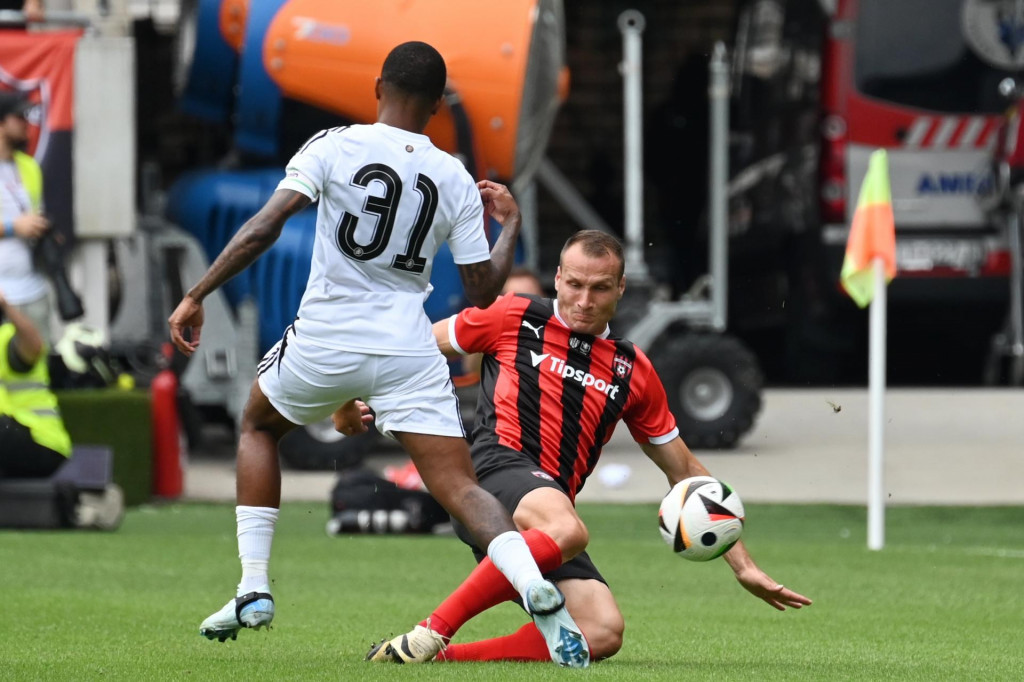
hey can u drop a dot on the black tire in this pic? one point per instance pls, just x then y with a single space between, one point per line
318 447
713 384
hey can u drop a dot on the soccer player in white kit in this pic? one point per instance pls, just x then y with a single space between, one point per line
387 200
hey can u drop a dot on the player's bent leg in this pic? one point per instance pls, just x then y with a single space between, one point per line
259 470
566 643
446 469
594 609
553 635
550 511
592 606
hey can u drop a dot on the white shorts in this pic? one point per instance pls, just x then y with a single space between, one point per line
306 383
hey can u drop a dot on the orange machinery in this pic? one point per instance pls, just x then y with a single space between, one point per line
505 66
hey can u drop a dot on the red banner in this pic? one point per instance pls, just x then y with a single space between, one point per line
41 65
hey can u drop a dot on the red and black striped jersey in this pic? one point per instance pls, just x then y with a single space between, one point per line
555 395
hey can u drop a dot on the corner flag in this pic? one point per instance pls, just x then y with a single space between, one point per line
872 234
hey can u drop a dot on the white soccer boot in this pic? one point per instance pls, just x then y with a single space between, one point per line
253 610
421 645
566 643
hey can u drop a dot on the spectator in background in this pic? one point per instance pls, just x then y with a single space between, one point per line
523 280
33 440
34 443
21 199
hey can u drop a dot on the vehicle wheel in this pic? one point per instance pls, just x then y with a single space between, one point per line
713 384
318 447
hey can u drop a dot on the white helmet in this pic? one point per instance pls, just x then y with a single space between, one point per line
81 349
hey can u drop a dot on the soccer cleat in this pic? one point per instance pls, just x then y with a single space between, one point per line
566 643
421 645
253 610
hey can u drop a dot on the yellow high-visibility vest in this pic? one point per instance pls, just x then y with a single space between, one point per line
28 399
31 176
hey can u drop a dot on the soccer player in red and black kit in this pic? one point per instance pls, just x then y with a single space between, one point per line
554 383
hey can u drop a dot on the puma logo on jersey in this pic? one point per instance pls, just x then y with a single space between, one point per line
535 330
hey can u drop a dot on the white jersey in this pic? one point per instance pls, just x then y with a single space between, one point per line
388 200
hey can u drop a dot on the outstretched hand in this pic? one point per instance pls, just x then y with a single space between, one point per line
498 201
188 315
778 596
352 418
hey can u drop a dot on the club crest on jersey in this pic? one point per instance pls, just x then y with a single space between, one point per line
543 474
623 367
579 345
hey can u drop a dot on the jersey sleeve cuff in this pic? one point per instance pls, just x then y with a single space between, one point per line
478 256
451 336
299 186
661 440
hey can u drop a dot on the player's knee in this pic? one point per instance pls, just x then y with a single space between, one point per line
604 637
568 532
571 536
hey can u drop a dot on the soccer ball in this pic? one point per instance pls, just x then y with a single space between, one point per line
701 518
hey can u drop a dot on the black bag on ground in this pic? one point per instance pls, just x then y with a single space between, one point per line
363 502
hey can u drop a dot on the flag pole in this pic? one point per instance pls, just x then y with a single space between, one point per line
869 264
876 409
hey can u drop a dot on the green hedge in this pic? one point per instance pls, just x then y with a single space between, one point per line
121 420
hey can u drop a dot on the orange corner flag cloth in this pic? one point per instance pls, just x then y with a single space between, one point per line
872 235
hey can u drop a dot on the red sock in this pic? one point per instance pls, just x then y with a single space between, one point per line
486 586
525 644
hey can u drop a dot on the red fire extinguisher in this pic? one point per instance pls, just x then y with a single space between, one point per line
168 477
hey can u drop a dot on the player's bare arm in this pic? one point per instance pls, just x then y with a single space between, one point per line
27 342
252 239
443 338
483 281
677 462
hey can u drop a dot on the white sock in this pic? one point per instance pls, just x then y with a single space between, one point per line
511 555
255 535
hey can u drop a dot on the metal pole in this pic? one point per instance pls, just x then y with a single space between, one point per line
876 409
718 177
569 198
1016 278
530 231
631 25
1016 295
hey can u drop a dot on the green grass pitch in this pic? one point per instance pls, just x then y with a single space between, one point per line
943 601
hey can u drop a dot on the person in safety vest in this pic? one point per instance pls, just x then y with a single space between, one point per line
22 222
33 440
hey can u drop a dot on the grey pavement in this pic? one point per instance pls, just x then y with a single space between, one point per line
942 446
